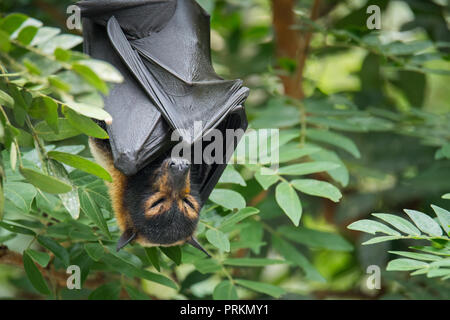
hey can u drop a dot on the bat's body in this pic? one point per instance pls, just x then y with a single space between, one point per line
157 206
162 50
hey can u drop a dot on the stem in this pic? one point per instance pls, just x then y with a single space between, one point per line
15 141
39 146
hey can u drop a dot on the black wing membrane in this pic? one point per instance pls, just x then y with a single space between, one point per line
162 49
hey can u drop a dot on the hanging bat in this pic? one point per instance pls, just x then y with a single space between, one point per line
162 49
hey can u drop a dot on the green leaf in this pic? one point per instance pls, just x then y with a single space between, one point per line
317 188
104 70
81 163
122 266
13 156
56 248
380 239
432 250
405 265
218 239
398 222
173 253
7 237
32 224
405 48
252 262
65 130
44 182
88 110
288 200
308 168
70 200
334 139
5 45
40 257
6 99
12 22
27 34
135 294
94 250
91 209
290 253
47 109
225 290
440 263
16 229
205 266
34 275
339 174
21 194
443 217
266 178
44 34
62 55
424 222
233 218
262 287
230 175
2 200
293 151
152 254
417 256
316 239
58 83
444 272
64 41
372 227
446 196
108 291
228 199
90 76
84 124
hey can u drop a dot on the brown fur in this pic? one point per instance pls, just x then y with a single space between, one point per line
116 188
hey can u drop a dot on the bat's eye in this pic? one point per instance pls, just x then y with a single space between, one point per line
157 202
190 204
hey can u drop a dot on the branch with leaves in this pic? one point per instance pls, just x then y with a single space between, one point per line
432 260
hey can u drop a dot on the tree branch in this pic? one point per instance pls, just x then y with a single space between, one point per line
292 43
12 258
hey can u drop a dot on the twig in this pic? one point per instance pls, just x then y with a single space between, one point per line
12 258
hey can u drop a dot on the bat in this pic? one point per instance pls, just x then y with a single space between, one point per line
162 49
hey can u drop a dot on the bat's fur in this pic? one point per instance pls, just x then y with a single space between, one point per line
149 204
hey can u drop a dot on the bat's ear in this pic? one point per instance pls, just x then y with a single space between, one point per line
125 239
193 242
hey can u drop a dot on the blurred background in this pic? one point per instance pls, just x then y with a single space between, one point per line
315 64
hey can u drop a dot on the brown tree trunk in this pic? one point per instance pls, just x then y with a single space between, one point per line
292 43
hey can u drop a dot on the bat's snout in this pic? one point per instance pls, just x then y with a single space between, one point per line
178 166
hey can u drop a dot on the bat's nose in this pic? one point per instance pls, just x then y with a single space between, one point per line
179 165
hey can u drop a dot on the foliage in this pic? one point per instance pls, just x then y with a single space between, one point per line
432 260
371 135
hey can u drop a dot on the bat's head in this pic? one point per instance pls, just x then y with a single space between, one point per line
163 204
172 190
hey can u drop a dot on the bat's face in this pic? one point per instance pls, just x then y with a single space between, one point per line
172 190
162 203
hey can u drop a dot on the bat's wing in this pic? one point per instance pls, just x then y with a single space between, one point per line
163 50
